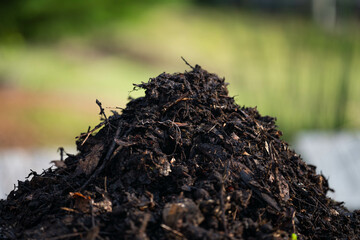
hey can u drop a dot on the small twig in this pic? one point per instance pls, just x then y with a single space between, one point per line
89 132
115 108
166 227
293 220
61 150
107 157
211 128
69 209
168 106
88 135
105 180
92 213
102 110
187 63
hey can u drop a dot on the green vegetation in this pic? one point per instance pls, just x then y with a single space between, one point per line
55 126
285 65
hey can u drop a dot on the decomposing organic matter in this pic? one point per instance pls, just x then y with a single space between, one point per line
182 162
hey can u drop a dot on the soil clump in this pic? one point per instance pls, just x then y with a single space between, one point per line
182 162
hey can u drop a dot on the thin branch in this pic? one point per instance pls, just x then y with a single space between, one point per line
102 110
187 63
166 227
89 132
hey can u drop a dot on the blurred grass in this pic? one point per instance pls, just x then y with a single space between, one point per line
72 69
283 64
51 127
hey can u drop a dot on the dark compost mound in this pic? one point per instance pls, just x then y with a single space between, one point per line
183 162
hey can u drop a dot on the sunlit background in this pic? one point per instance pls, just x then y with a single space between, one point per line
297 60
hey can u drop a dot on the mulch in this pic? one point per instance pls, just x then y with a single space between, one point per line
182 162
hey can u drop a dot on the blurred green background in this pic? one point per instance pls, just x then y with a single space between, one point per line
297 60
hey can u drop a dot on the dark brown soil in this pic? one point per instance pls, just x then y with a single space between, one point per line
183 162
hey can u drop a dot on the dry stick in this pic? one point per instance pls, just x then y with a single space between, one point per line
168 106
89 132
107 157
166 227
187 63
105 188
293 221
102 110
61 150
92 213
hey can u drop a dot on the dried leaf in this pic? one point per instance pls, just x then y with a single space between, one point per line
91 160
59 163
283 187
271 201
82 202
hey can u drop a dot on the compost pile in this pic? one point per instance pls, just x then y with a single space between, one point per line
182 162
